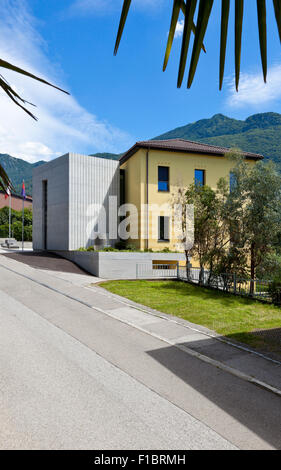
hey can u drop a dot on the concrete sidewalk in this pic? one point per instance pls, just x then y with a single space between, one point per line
192 339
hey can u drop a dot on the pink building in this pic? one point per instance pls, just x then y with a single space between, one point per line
16 202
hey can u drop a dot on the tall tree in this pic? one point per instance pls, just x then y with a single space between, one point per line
253 210
208 230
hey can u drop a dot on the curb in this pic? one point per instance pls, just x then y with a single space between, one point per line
184 323
185 349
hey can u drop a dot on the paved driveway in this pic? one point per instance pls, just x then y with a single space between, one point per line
73 376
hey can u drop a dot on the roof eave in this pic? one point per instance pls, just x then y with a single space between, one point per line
139 145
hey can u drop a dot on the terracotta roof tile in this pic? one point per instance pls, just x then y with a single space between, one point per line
181 145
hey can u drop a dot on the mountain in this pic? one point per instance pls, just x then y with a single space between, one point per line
260 133
19 170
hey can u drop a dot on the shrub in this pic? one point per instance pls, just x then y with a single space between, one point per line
166 250
91 248
274 289
15 216
131 247
4 231
121 245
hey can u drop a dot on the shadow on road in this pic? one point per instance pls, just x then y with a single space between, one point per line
47 261
255 408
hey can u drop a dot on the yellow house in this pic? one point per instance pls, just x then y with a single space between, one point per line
151 171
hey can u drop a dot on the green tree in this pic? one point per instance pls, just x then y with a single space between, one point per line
16 218
253 210
208 230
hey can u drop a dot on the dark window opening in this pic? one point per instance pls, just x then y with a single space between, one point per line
122 187
163 178
199 177
163 229
45 213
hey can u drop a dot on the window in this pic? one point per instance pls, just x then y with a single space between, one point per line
232 181
199 177
163 229
163 178
45 213
122 187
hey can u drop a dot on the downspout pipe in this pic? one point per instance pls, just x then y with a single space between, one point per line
147 199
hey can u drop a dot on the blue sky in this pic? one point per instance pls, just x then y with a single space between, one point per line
118 100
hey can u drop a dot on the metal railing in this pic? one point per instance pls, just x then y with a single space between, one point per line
148 271
226 282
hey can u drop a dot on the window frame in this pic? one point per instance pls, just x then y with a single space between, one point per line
204 176
163 240
161 181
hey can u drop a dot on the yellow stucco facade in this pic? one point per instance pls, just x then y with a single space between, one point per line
141 186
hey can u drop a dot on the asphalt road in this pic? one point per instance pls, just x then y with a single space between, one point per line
73 378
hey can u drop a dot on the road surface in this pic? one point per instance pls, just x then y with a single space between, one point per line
74 378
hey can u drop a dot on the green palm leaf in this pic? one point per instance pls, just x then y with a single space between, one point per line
12 94
277 10
5 182
205 8
189 15
124 14
239 10
183 9
224 28
261 6
14 68
174 20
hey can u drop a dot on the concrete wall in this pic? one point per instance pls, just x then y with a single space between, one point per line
75 183
92 181
113 265
56 173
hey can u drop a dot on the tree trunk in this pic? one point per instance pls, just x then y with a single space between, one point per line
253 268
201 275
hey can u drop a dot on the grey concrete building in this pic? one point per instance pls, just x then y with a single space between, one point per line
68 193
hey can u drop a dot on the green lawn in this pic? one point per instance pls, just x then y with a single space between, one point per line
234 317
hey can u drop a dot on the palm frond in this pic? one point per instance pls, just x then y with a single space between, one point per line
174 20
239 10
14 68
124 14
15 97
261 6
277 10
12 94
188 22
205 8
225 7
5 181
183 9
204 11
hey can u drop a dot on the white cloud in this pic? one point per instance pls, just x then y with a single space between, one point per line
253 91
179 28
64 125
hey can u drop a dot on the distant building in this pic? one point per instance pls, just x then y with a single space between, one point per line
67 191
16 202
